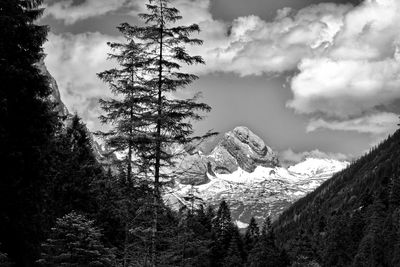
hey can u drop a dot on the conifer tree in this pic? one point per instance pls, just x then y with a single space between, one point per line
395 192
302 251
75 241
265 252
251 235
26 129
159 119
125 112
192 240
171 118
223 224
75 170
338 239
233 258
222 230
370 251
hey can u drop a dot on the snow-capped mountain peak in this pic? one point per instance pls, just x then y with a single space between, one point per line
244 171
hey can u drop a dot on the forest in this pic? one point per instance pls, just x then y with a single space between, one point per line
61 206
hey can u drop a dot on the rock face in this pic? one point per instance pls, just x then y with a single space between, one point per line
194 170
241 148
55 96
62 111
238 149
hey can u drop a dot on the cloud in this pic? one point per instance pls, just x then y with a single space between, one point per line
358 72
343 62
70 12
74 60
192 11
289 157
378 124
252 46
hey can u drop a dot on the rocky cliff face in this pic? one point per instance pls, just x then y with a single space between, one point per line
237 149
55 96
241 148
63 112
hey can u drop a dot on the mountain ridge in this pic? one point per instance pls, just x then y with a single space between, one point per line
249 177
355 214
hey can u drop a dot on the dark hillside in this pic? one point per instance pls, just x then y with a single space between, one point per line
353 219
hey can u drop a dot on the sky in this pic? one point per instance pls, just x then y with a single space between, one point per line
310 77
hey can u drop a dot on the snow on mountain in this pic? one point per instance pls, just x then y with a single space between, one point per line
248 178
313 166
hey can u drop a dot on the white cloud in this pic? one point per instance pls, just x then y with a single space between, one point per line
346 59
290 157
252 46
74 60
70 13
359 71
192 11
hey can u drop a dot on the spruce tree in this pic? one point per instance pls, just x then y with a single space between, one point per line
252 234
75 170
125 112
157 51
370 251
165 45
222 230
394 197
233 257
337 251
301 250
26 129
192 240
265 251
75 241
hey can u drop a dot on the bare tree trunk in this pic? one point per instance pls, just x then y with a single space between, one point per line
158 149
125 257
130 144
129 162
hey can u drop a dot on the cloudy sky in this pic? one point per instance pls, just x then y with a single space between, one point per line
308 76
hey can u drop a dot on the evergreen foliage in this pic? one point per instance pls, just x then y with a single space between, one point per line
148 119
351 219
252 234
265 252
26 130
75 170
75 241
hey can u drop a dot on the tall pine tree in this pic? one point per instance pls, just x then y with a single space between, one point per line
26 128
75 241
153 55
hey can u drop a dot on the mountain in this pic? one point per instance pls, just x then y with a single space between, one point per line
55 96
243 170
352 219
